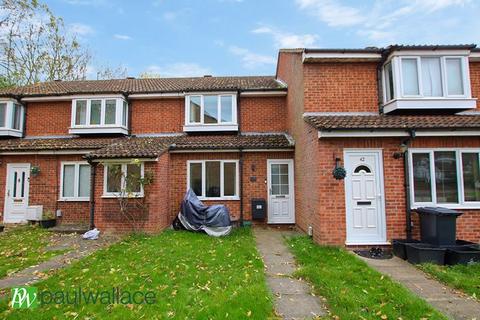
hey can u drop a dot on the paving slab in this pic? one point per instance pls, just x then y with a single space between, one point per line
79 248
448 301
293 298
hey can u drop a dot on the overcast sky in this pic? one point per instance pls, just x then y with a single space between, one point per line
242 37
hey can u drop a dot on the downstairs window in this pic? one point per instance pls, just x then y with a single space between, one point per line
213 179
445 177
75 181
123 180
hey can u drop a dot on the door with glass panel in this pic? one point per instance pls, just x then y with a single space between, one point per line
16 192
281 203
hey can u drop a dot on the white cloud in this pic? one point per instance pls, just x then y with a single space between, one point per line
287 39
122 37
180 69
80 29
251 60
392 21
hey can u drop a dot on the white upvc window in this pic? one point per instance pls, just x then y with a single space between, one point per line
213 112
122 180
427 82
75 181
12 115
445 177
213 179
97 115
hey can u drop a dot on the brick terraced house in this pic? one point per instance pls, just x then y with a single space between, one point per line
400 120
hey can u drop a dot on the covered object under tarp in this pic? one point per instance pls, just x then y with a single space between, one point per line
195 216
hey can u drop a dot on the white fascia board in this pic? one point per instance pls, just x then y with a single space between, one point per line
124 160
272 93
429 53
145 96
99 130
339 56
47 152
229 150
475 56
72 97
395 133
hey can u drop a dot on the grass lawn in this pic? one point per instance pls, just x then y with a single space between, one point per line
352 289
22 247
462 277
192 276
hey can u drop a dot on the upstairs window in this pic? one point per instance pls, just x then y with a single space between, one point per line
11 118
108 113
426 77
218 110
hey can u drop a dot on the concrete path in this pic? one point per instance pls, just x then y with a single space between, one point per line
78 247
293 298
448 301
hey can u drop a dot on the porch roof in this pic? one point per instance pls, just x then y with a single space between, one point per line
53 144
150 147
399 122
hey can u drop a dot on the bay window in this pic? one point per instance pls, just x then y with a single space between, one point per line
75 181
445 177
11 118
215 179
213 112
123 180
426 82
99 115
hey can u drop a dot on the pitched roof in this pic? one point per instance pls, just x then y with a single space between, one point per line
332 122
151 147
393 47
39 144
153 85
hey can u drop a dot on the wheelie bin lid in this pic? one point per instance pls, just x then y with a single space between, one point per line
438 211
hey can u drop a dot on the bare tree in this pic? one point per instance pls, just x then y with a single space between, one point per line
149 75
35 46
107 73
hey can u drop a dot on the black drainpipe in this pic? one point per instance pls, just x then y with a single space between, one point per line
240 162
407 185
93 167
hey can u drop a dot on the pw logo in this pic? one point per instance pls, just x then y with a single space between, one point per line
24 297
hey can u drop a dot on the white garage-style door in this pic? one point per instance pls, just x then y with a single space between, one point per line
364 193
281 200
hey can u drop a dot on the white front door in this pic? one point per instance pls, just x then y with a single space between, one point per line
364 194
281 200
16 192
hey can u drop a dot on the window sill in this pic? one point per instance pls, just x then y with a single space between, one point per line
98 129
11 132
73 200
112 196
219 199
448 206
209 127
440 103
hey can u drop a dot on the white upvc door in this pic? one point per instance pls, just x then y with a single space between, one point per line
364 195
281 196
16 192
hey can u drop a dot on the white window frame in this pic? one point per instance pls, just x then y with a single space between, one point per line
118 113
228 126
462 204
397 71
123 165
222 162
76 188
7 129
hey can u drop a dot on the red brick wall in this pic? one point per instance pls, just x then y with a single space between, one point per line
107 214
48 118
255 165
45 188
267 114
475 79
157 115
341 87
